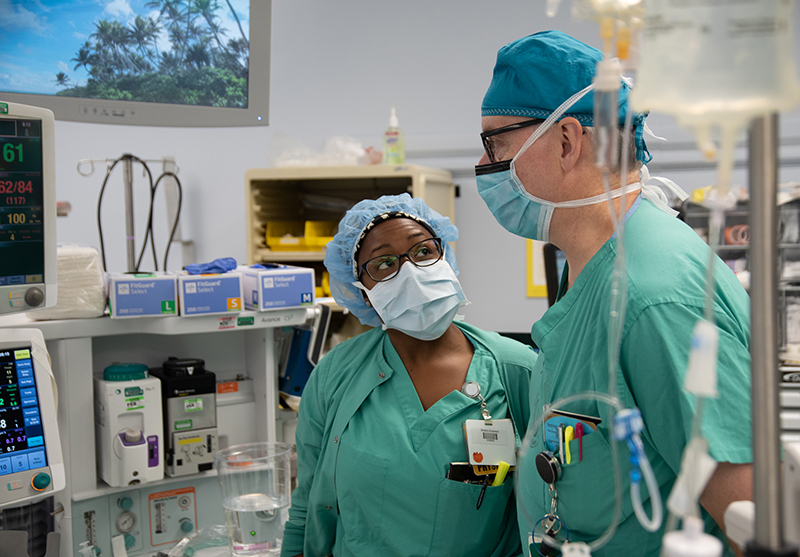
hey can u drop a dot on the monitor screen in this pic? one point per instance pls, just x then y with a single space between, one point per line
21 201
22 444
28 273
185 63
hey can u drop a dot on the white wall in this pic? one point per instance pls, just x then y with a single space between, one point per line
337 68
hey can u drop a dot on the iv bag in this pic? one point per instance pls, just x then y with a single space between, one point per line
710 61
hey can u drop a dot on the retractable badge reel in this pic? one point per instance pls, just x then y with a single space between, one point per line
549 468
473 390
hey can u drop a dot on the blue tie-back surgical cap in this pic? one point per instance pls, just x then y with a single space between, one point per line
534 75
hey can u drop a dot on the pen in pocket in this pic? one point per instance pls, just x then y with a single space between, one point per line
483 492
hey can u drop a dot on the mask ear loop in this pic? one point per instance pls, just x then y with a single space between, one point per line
555 115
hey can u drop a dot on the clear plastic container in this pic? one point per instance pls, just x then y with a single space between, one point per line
706 63
255 482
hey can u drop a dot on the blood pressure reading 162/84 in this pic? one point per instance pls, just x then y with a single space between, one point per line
21 201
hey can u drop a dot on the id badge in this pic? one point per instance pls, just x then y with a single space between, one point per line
490 442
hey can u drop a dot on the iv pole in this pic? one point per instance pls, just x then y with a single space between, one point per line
763 185
130 237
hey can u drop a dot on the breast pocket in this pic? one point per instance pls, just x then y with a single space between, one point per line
463 530
360 484
586 487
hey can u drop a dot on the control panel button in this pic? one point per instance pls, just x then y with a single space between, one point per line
40 481
34 297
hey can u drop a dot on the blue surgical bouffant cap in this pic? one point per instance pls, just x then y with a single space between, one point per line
340 252
534 75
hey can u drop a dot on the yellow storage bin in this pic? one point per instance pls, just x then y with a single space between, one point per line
326 284
286 235
320 232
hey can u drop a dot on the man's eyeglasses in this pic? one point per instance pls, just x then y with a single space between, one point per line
385 267
489 138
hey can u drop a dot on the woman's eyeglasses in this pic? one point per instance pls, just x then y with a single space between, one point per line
385 267
489 138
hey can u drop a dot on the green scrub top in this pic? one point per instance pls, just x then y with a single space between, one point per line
404 505
666 265
372 463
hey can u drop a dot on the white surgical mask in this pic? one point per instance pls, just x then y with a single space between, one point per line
419 301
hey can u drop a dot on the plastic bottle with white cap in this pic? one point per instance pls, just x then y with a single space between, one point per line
394 147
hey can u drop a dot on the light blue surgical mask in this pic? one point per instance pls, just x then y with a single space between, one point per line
419 301
516 209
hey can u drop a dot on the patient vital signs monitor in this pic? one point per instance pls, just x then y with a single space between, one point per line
31 465
27 208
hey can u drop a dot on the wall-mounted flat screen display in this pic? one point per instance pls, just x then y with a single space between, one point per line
138 62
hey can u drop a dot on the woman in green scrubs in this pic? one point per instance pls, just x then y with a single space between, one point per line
382 415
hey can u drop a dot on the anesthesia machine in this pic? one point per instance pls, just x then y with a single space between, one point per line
31 463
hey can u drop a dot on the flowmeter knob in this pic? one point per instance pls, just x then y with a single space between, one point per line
187 526
125 503
34 297
40 481
132 436
130 541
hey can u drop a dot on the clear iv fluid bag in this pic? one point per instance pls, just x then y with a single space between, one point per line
704 61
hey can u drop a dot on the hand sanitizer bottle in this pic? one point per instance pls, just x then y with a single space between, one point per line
394 148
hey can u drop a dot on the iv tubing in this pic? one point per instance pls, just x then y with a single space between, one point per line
619 288
651 525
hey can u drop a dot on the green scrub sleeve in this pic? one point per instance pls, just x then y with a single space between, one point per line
310 429
655 354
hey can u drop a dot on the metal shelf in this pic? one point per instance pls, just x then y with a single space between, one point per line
105 326
273 256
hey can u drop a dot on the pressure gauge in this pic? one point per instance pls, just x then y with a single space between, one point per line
126 522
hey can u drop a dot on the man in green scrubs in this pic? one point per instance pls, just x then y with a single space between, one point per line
554 192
